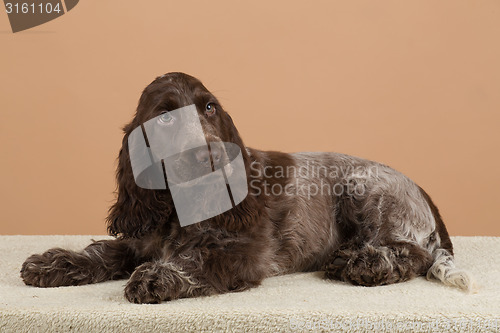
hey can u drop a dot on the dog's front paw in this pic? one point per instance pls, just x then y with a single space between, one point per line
54 268
154 282
145 285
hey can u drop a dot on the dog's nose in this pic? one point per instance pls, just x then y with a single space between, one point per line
203 155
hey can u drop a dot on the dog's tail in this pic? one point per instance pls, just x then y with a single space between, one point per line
443 267
444 270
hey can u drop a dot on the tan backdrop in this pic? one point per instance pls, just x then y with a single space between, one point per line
414 84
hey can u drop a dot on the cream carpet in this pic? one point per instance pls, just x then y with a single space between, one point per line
297 302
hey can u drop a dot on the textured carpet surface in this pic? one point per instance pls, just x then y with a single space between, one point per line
296 302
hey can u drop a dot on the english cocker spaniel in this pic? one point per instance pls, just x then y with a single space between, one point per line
358 221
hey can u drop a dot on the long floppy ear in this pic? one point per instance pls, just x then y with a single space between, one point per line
231 131
136 211
251 212
231 134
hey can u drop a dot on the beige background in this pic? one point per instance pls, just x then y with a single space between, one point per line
413 84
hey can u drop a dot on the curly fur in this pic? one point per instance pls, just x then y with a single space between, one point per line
387 231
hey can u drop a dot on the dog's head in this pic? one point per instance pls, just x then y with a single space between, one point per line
139 210
186 127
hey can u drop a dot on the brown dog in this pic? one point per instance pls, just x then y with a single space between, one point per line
358 220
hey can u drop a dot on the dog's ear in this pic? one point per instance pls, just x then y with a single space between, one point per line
136 211
230 132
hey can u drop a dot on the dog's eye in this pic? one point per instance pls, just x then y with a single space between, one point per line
210 109
166 118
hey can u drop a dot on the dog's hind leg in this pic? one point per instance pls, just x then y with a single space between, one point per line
370 265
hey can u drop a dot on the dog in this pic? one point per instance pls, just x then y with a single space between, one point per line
357 220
